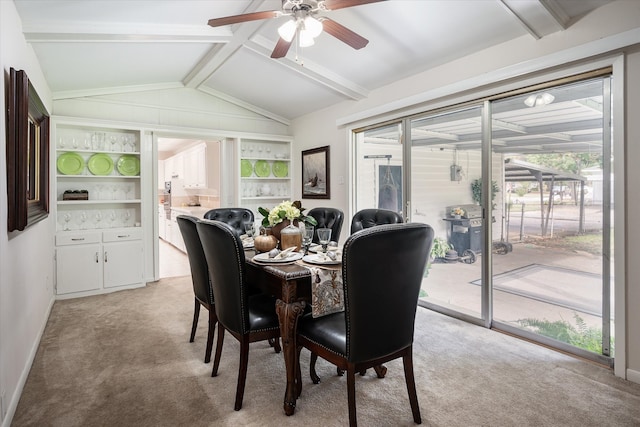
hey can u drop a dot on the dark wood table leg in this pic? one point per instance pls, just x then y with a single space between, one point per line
288 314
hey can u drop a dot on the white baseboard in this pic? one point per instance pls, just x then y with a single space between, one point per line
633 376
13 403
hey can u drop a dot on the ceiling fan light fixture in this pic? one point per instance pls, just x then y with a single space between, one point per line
288 30
538 100
312 26
305 38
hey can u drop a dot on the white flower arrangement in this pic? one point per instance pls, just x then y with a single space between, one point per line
285 210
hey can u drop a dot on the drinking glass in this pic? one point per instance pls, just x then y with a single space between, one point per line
307 237
248 227
324 236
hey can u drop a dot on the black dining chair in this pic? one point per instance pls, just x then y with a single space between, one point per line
327 218
366 218
200 279
382 274
235 217
248 318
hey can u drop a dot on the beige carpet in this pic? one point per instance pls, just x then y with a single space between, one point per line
124 359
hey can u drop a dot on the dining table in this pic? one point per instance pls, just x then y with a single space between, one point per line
290 283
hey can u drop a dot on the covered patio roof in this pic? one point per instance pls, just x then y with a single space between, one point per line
519 171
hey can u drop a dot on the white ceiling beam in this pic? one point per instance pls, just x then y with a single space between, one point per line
118 32
218 55
521 19
557 13
431 133
70 94
311 70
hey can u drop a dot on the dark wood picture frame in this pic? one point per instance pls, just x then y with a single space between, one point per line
316 173
27 154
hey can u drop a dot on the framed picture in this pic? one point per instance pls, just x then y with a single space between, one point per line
315 174
27 154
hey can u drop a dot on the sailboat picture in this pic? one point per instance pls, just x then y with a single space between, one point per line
315 173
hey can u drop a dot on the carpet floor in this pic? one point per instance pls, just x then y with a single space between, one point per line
123 359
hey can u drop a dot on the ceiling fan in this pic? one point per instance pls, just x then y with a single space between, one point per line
304 23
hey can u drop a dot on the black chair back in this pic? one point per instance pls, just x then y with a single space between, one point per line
235 217
367 218
328 218
226 261
383 269
197 261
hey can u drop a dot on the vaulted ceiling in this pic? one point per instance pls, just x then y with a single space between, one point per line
97 47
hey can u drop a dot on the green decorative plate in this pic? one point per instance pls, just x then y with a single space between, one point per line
100 164
262 168
280 169
128 165
70 163
245 168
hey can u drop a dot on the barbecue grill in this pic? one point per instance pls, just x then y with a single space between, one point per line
465 233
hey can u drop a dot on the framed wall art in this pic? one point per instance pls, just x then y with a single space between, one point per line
27 154
315 173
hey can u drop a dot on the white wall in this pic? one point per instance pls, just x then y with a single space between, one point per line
462 80
26 258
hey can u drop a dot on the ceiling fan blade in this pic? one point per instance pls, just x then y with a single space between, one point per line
341 4
344 34
281 49
236 19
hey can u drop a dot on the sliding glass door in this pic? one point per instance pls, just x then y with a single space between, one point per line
445 158
553 215
518 190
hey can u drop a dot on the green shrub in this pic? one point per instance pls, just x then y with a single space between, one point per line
581 335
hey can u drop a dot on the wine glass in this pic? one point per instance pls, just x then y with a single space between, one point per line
83 220
307 237
67 218
97 218
324 235
248 227
111 217
126 216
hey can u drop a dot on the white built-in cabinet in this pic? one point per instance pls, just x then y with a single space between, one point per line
94 260
265 171
98 208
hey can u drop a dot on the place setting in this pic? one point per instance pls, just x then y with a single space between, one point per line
277 256
324 253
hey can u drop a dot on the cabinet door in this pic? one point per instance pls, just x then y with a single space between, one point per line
79 268
122 263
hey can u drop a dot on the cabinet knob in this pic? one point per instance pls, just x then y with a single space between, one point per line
77 239
97 259
106 259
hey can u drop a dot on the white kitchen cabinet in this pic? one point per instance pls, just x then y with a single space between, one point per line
195 167
89 262
176 235
162 219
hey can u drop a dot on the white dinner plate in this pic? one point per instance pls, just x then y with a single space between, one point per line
315 248
320 259
264 258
